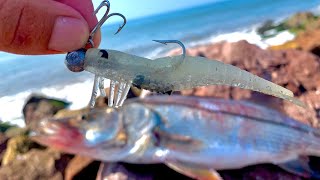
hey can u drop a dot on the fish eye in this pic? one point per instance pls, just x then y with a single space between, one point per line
102 126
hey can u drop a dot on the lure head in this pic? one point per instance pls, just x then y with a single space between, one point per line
75 60
98 134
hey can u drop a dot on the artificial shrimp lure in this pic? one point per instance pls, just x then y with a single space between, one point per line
162 75
74 60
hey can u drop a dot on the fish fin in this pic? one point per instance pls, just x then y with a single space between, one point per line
196 173
177 140
300 166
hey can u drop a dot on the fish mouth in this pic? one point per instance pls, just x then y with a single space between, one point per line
52 132
99 126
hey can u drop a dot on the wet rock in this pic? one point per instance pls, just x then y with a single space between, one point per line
35 164
15 147
306 41
16 131
307 28
266 27
38 107
77 164
5 126
298 23
312 99
305 115
303 70
3 145
301 21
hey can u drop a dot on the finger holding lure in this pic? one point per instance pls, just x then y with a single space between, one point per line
163 75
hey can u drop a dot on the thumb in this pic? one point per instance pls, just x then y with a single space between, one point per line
40 27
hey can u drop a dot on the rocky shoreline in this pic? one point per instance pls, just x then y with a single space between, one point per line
294 65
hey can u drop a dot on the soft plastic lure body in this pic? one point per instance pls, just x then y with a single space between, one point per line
194 136
167 74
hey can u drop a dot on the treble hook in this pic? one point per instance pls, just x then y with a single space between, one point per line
105 17
176 42
124 20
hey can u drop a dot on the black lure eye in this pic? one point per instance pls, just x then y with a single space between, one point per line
104 54
75 60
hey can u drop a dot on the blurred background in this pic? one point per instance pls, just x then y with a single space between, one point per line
194 23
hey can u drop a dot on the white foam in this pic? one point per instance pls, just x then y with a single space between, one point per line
78 94
249 35
11 108
279 39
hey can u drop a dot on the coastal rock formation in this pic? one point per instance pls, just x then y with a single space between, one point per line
295 24
38 107
306 26
306 41
36 164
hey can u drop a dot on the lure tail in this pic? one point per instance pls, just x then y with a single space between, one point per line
200 71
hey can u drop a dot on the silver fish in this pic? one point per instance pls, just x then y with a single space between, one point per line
194 136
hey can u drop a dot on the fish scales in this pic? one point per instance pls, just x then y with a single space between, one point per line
238 108
230 130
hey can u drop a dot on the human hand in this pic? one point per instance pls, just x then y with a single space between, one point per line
45 26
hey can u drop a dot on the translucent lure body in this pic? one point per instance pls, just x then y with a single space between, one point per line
167 74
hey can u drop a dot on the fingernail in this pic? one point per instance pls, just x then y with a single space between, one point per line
68 34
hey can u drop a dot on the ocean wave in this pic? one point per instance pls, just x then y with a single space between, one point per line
78 94
249 34
254 38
